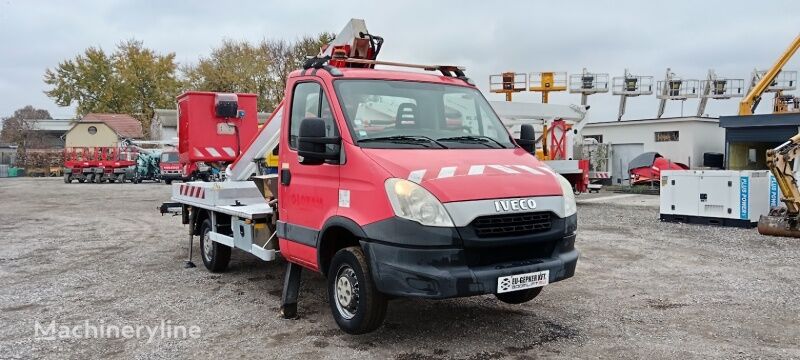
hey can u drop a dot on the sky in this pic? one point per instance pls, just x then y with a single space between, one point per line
488 37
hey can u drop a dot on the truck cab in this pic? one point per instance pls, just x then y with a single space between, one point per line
170 167
415 174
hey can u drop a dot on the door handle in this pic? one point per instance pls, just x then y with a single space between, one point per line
286 176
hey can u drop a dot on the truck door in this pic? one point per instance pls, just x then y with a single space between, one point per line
308 194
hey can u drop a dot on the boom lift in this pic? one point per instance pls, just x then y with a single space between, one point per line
780 221
587 83
557 138
715 87
629 85
675 88
389 184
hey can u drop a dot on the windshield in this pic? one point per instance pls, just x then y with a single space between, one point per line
403 114
169 157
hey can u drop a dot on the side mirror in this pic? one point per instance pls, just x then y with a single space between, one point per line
527 138
312 143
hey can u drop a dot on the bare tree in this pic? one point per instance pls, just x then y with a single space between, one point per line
19 130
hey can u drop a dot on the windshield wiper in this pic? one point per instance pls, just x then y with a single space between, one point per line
474 138
408 139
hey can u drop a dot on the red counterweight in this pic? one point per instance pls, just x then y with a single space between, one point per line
215 127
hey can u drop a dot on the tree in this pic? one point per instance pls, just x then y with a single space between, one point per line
133 80
18 131
238 66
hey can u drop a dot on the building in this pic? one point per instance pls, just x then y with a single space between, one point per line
164 126
8 154
748 137
42 142
680 139
48 133
97 130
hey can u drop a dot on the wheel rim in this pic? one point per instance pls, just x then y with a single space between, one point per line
208 247
346 292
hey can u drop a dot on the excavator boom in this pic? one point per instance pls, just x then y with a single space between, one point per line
780 221
748 103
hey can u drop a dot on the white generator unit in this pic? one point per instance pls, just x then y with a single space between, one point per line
717 197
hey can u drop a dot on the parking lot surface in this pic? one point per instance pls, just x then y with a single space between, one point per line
102 254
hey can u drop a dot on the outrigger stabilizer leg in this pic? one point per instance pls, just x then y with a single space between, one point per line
189 264
291 290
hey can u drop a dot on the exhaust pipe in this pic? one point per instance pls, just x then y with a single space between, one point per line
777 225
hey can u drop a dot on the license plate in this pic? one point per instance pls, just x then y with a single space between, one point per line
523 281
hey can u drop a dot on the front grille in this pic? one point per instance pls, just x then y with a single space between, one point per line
511 224
509 254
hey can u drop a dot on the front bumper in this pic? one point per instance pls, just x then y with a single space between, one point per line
171 176
442 273
408 259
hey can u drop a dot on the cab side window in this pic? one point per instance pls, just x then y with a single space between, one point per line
309 100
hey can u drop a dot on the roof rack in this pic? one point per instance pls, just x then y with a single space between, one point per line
446 70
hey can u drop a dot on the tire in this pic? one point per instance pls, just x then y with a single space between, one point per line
519 297
121 178
168 182
215 255
67 178
90 178
356 304
98 178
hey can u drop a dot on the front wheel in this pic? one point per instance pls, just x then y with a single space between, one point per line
356 304
519 297
121 178
215 255
67 178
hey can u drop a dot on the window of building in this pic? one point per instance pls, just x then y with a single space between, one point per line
92 130
599 138
662 136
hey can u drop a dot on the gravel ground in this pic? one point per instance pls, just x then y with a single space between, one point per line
642 289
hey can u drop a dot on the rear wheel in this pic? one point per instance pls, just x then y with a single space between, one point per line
89 178
98 178
215 255
67 178
519 297
356 304
121 178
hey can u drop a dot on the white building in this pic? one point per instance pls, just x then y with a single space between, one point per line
680 139
164 126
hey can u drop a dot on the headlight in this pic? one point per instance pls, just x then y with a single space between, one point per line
411 201
569 196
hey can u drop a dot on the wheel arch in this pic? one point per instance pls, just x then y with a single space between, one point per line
338 232
198 216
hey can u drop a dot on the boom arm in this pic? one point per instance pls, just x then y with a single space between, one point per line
779 161
265 141
747 105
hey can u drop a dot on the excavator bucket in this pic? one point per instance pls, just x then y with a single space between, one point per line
778 224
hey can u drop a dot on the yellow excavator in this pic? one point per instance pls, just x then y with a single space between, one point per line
780 221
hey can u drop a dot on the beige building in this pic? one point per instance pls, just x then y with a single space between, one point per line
102 130
91 134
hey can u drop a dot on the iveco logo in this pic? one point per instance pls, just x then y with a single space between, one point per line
514 205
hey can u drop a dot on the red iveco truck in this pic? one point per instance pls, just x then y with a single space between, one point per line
382 193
